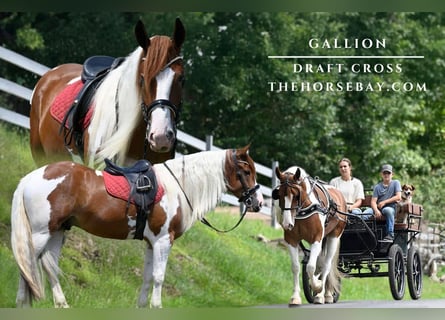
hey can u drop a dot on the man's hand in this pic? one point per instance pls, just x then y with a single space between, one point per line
377 213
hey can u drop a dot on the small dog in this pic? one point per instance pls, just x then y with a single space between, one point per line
407 197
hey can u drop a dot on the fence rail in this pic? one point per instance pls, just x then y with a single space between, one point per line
23 121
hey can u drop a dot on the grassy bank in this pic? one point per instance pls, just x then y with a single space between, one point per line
205 268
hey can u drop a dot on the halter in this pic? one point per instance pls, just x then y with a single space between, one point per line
246 196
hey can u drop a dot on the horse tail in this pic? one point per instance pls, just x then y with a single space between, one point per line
22 244
333 281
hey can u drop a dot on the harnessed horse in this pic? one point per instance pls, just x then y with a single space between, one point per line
53 198
134 108
311 211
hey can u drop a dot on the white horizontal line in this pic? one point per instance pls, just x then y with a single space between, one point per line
346 57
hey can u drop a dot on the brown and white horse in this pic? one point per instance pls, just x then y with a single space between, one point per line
150 78
311 211
53 198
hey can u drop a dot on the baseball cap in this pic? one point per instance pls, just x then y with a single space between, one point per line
386 167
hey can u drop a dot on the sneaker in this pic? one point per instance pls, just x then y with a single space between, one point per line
388 238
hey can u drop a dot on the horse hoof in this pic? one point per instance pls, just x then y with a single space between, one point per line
294 302
62 305
318 300
328 299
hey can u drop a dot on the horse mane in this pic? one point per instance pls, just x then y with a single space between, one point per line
201 176
158 57
104 140
110 132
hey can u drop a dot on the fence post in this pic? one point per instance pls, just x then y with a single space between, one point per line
274 223
209 142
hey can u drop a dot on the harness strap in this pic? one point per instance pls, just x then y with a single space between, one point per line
303 213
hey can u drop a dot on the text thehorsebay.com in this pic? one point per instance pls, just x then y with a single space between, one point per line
379 68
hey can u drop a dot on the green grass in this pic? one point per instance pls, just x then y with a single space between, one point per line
205 268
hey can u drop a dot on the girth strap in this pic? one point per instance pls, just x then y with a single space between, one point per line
143 188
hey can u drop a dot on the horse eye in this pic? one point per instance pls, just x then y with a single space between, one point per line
181 80
247 173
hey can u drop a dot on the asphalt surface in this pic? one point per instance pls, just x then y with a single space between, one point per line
432 303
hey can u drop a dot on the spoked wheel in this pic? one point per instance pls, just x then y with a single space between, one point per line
414 273
396 270
308 293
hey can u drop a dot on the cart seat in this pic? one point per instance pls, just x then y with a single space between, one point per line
407 217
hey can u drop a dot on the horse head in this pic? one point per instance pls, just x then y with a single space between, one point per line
240 177
161 79
291 194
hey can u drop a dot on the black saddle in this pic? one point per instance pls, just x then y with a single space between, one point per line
94 70
94 66
139 166
143 188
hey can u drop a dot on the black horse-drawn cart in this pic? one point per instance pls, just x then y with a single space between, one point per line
363 253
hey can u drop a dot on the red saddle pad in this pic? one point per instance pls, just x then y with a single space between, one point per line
118 187
65 99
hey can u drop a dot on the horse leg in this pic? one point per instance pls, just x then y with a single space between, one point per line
295 299
23 299
332 283
24 293
50 262
161 250
316 283
147 277
329 250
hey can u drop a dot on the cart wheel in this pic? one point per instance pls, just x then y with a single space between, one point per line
414 273
308 293
396 270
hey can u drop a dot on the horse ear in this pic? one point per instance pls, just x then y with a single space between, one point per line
277 171
141 35
297 174
245 149
178 34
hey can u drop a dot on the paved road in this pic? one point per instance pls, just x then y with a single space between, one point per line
434 303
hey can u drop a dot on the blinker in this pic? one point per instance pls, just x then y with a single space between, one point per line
275 194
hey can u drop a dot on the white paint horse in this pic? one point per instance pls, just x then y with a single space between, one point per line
53 198
311 211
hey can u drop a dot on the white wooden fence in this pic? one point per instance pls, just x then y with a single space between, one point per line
23 121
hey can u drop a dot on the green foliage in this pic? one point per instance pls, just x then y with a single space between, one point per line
29 37
15 159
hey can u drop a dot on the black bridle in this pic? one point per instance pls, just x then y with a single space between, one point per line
147 110
302 213
246 197
160 103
